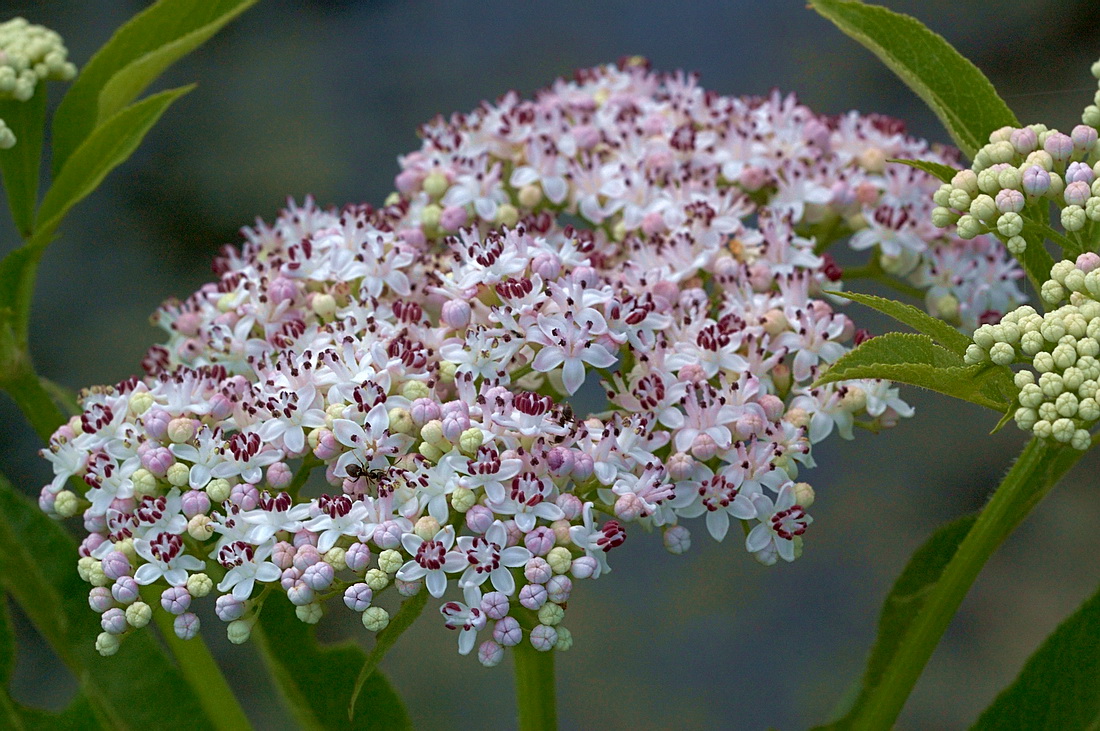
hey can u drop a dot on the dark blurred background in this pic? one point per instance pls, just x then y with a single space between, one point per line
320 97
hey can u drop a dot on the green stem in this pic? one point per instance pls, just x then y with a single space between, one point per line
1034 473
875 273
535 695
200 670
24 386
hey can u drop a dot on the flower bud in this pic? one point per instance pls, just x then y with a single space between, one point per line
558 589
532 596
186 626
138 614
508 632
543 638
218 490
375 619
489 653
106 644
125 590
239 631
584 567
200 527
229 608
677 539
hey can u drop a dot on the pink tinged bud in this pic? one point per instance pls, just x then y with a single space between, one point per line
1083 137
424 410
583 466
414 237
455 314
570 504
90 543
508 632
408 588
300 594
158 461
357 597
453 218
194 502
1079 172
100 599
532 596
558 589
479 518
289 578
677 539
703 447
817 133
283 555
560 460
1010 201
305 538
653 223
692 373
113 621
331 477
282 289
327 447
1088 261
454 425
244 496
1036 181
680 466
186 626
773 407
220 406
409 181
495 604
1077 193
547 266
866 194
357 557
748 425
156 423
586 136
629 507
490 653
1023 140
123 505
544 637
583 567
1059 146
753 178
116 565
561 530
540 540
279 475
388 534
46 500
585 276
175 599
538 571
515 535
229 608
319 576
306 556
125 590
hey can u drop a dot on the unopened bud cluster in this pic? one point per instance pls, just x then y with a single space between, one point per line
1018 175
376 398
28 54
1058 397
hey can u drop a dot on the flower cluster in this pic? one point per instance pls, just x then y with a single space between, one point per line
1018 175
625 230
28 54
1061 346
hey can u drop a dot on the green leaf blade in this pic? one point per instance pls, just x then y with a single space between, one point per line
317 681
915 318
903 603
21 164
105 149
943 173
1057 688
131 60
959 94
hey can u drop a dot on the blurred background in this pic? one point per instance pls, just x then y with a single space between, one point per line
320 97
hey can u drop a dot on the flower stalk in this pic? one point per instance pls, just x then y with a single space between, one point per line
536 699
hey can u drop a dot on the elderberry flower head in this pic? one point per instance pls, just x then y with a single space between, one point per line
28 54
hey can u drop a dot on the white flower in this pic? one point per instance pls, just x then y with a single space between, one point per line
780 529
488 559
165 557
432 560
247 565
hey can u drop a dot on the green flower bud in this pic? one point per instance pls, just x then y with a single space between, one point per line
1062 430
96 577
138 614
943 217
470 440
376 579
967 181
1081 440
140 402
1010 224
1072 378
435 185
429 216
551 614
530 196
309 613
107 644
1025 418
984 209
66 504
144 482
1088 409
974 354
1042 429
1066 405
239 630
1002 354
401 422
1052 292
335 558
426 527
218 490
1023 378
389 561
178 475
1074 218
959 200
412 390
565 639
507 215
560 559
430 452
968 227
375 619
1016 245
447 371
200 527
462 499
1010 178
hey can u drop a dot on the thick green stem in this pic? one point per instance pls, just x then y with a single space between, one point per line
1035 472
200 670
535 695
23 385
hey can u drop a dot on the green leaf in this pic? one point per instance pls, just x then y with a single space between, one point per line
317 681
944 173
917 361
20 165
953 87
1058 688
135 56
406 615
902 605
102 151
37 567
915 318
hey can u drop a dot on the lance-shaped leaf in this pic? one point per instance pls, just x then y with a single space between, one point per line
37 568
915 318
317 681
943 173
954 88
101 152
1058 687
902 605
918 361
135 56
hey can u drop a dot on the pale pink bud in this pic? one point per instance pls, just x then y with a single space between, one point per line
228 608
677 539
113 621
583 567
245 496
158 461
125 590
283 555
289 578
282 289
407 588
409 181
570 504
629 507
583 466
653 223
220 406
490 653
100 599
753 178
772 405
46 500
748 425
507 632
388 534
479 518
537 571
116 565
453 218
305 538
543 638
680 466
279 475
357 557
455 314
306 556
357 597
586 136
91 542
540 540
414 237
692 373
300 594
1059 146
495 604
1088 261
703 447
532 596
515 535
558 589
560 460
1023 140
546 265
186 626
1084 138
1077 193
194 502
424 410
175 600
327 447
